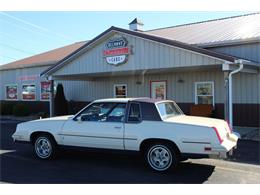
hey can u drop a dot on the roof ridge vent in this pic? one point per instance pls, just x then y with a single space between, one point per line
136 25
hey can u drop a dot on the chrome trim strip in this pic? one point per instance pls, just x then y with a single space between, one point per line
191 142
97 136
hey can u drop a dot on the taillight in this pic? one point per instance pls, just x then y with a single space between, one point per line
219 138
230 130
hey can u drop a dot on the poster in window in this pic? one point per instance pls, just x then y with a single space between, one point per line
45 90
120 91
28 92
158 90
11 92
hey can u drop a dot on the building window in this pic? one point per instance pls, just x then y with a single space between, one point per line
11 92
158 89
204 93
120 90
29 92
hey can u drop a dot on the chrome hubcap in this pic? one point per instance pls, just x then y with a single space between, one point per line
159 158
43 147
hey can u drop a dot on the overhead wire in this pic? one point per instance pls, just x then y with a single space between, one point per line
37 26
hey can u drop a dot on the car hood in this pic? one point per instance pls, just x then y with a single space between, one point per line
47 124
57 118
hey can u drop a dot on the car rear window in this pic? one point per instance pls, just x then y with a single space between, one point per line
169 109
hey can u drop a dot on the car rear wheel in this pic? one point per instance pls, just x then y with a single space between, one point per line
45 147
161 157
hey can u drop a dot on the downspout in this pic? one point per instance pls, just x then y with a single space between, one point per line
230 97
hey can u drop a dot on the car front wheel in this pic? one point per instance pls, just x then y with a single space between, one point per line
44 147
161 157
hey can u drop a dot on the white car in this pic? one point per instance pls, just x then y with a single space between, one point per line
156 128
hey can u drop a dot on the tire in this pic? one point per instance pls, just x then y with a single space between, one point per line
161 157
45 147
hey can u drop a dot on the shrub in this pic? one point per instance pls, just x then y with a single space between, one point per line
60 102
6 108
21 110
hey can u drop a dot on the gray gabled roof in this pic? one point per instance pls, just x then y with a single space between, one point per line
214 32
145 36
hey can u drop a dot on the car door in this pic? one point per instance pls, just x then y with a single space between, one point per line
133 126
100 125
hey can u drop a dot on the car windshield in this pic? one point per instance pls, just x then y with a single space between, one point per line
169 109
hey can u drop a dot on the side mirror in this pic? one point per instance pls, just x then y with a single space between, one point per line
84 117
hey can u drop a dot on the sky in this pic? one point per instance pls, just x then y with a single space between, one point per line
23 34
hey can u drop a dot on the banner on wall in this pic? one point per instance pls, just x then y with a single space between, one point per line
158 90
45 90
11 92
28 92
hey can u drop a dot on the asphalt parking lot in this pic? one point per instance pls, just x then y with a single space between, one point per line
18 165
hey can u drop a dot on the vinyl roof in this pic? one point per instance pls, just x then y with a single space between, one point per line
219 31
46 58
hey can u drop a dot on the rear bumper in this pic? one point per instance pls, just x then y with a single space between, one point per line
226 148
223 154
220 151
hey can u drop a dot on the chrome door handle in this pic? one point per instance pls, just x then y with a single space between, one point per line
117 127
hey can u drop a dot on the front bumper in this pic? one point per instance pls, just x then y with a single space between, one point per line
19 138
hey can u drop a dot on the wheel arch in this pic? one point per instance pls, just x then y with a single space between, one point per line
146 142
34 135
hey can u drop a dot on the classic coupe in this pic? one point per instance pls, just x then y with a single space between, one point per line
157 129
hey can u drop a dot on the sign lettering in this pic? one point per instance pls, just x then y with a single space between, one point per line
116 51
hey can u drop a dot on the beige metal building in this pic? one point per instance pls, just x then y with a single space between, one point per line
191 64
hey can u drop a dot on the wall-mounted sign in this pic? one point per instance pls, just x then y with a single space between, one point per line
158 89
29 92
11 92
28 77
116 51
45 90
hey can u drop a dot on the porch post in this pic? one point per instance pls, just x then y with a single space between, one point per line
51 101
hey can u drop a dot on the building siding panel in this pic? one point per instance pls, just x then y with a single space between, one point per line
13 76
155 56
246 51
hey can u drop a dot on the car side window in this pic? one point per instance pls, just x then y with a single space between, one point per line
134 113
96 112
117 113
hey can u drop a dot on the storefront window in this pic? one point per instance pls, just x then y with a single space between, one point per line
120 91
29 92
204 93
11 92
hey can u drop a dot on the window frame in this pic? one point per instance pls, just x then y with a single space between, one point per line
128 113
159 81
119 85
213 92
15 84
76 116
35 92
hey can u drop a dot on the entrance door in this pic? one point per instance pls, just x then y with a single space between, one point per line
100 125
